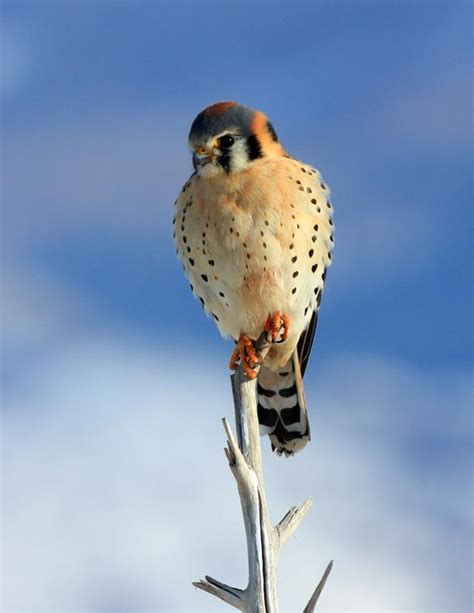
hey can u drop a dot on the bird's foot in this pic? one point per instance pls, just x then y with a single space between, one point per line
245 353
278 325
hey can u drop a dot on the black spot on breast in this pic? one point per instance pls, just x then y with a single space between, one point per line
316 227
309 190
314 267
313 238
292 246
323 186
311 253
294 258
191 261
293 291
221 294
313 201
215 317
323 276
295 274
204 278
211 262
318 299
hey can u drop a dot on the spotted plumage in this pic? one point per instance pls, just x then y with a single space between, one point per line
254 230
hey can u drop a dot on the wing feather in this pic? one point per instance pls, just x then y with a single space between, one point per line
305 342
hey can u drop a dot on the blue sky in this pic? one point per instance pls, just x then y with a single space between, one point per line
97 100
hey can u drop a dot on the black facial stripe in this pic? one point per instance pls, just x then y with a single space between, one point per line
253 147
224 161
272 132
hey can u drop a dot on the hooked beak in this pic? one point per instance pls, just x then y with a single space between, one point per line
201 158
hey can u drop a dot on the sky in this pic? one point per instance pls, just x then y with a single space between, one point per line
115 491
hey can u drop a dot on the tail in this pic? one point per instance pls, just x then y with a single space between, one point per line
282 407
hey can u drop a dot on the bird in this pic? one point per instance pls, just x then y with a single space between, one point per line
253 228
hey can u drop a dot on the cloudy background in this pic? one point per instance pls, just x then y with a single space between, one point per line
115 490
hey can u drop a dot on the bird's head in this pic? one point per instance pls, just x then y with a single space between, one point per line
227 137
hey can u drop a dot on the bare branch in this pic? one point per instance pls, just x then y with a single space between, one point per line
230 595
292 520
309 608
264 541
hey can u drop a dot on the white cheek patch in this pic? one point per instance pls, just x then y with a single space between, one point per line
239 156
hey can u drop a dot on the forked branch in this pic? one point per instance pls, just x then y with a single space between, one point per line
264 540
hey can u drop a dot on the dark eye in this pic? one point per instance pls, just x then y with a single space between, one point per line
226 141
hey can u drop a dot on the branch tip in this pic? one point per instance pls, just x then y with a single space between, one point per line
309 608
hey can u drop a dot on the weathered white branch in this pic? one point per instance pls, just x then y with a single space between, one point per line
288 524
264 540
309 608
230 595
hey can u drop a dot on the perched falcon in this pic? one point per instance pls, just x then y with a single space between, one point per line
253 227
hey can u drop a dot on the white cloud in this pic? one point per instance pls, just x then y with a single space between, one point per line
117 494
35 309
